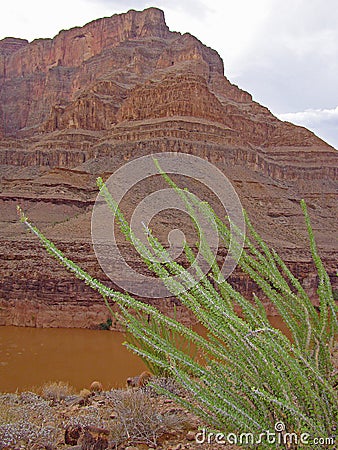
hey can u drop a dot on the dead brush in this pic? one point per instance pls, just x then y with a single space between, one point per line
56 390
137 419
169 384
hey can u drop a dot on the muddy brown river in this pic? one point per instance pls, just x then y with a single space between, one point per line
30 357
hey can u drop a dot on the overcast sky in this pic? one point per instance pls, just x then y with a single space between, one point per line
284 52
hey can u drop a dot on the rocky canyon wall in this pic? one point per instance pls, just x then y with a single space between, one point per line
81 104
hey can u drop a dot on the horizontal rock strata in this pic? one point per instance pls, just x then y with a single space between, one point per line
82 104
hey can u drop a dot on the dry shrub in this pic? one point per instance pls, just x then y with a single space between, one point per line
169 384
27 420
96 386
138 419
56 390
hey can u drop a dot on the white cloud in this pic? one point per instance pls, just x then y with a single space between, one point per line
323 122
312 116
40 19
194 8
292 63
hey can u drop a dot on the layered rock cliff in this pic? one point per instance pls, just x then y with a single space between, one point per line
81 104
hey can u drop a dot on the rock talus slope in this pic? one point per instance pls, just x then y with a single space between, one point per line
83 103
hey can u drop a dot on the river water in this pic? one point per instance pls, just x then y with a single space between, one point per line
30 357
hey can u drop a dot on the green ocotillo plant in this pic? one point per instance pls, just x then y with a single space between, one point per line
160 329
250 376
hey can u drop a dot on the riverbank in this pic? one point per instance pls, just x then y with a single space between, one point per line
133 419
57 416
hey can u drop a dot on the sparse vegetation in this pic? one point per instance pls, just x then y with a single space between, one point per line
138 420
56 390
106 325
252 376
29 421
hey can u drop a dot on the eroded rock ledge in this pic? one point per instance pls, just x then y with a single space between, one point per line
83 103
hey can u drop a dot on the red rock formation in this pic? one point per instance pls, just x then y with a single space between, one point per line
182 95
81 104
48 72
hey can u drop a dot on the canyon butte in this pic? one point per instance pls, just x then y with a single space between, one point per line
80 105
